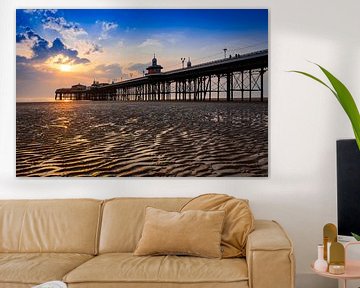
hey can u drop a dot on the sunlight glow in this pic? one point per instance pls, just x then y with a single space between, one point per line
65 68
61 63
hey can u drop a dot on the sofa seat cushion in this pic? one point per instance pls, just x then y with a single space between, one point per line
127 268
36 268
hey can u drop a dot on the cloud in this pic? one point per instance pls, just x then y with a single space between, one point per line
59 48
162 39
28 79
106 27
34 84
111 71
73 34
172 38
26 71
68 30
20 37
28 35
92 48
43 50
22 59
150 42
139 67
41 12
130 29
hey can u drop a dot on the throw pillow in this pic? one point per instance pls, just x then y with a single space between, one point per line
196 233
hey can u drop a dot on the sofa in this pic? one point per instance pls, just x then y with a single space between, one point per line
90 243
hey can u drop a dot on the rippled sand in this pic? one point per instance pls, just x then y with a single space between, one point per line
142 139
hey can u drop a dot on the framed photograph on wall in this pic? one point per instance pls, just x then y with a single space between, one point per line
142 92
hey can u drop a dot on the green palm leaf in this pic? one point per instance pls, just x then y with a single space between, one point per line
344 97
357 237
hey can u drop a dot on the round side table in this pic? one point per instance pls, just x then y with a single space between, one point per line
352 269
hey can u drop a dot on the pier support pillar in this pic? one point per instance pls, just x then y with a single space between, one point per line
228 87
218 88
242 85
176 90
250 85
209 87
262 84
232 86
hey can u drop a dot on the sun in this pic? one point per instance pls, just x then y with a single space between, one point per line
65 68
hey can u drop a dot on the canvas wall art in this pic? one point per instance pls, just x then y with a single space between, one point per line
142 92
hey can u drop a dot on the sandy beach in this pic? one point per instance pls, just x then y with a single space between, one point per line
142 139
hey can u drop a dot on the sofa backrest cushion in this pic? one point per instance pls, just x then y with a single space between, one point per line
64 226
239 220
123 220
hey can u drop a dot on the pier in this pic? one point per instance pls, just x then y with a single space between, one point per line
235 78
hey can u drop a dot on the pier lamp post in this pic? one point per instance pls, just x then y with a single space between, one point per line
182 61
225 49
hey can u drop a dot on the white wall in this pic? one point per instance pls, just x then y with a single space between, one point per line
305 120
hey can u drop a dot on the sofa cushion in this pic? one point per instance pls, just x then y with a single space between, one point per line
123 220
63 226
239 220
36 268
193 232
126 268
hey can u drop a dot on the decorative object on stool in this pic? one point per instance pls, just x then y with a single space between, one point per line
329 236
320 264
337 258
334 252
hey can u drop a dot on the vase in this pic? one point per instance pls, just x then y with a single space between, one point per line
320 264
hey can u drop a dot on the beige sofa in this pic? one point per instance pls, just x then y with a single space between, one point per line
89 243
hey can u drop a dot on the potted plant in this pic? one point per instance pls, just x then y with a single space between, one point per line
346 100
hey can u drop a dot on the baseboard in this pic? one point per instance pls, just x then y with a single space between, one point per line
310 280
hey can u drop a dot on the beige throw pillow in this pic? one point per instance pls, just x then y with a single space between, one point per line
239 220
196 233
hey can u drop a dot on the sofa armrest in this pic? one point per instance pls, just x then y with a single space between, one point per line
269 256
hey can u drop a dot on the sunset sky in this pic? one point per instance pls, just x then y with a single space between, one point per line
60 48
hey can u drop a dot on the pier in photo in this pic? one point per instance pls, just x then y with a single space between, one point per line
236 77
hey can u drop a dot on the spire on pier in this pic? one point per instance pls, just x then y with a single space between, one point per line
154 68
